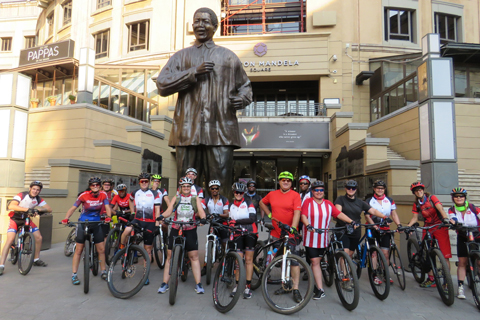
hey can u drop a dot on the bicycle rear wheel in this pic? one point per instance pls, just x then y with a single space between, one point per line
443 279
475 282
86 266
159 251
95 261
378 274
224 282
209 265
327 268
175 270
69 246
112 244
357 261
416 265
397 266
277 289
26 254
259 259
126 278
185 268
346 281
13 253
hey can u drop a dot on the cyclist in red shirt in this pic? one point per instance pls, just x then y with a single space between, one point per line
432 211
286 205
121 201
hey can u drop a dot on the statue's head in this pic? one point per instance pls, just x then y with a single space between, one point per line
205 23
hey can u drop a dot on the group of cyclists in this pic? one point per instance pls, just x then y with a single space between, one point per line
304 211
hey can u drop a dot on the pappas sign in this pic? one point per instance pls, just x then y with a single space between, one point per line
50 52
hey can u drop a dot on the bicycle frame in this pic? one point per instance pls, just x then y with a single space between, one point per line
212 237
365 241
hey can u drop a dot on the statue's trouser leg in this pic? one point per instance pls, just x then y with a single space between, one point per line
218 165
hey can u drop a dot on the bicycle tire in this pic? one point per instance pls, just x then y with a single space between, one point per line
259 259
13 254
346 280
209 265
442 276
69 246
327 271
185 269
270 281
112 244
475 282
176 267
397 266
26 254
357 261
227 281
120 277
381 271
86 266
416 267
159 251
95 261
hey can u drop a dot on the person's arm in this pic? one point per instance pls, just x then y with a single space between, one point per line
342 216
130 205
166 199
108 210
69 213
369 219
296 218
395 218
171 81
439 207
169 210
413 220
224 214
339 207
157 214
115 208
375 212
201 212
265 209
14 206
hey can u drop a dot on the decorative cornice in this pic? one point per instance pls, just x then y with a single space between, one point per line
333 106
117 144
54 193
161 117
72 163
393 165
146 130
370 142
342 115
351 126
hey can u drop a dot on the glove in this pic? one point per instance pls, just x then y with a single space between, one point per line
65 221
108 220
269 215
388 220
455 220
293 230
232 223
310 228
160 218
262 221
203 221
446 220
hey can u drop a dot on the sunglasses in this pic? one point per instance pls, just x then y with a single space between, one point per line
285 180
214 189
144 181
304 183
95 185
350 188
318 190
156 180
459 196
238 192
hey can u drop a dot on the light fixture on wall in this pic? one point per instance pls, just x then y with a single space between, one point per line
333 58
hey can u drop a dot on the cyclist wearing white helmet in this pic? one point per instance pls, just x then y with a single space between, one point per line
121 201
304 186
197 191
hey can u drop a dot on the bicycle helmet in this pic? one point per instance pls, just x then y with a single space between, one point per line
156 176
214 183
351 184
239 187
285 175
37 183
379 183
144 175
416 185
317 184
108 180
191 170
460 191
251 182
305 177
185 180
121 187
93 180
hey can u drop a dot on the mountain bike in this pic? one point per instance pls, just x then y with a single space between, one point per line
159 248
282 274
112 243
425 256
213 248
337 266
130 267
368 255
70 243
394 259
23 248
226 291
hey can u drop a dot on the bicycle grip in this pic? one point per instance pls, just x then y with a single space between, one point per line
123 219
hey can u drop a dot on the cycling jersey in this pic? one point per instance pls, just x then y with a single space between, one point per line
25 201
144 204
195 191
184 212
215 207
110 195
283 206
428 211
255 199
319 216
123 203
383 204
305 195
244 214
468 218
92 205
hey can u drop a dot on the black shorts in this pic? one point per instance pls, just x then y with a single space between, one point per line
315 252
105 229
147 236
382 240
462 246
191 239
246 242
95 229
222 233
350 242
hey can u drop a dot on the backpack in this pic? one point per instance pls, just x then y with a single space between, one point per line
419 210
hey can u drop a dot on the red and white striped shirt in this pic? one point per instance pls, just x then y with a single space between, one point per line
319 216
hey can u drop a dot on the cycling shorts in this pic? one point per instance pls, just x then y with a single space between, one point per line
349 242
246 242
315 252
443 241
462 251
94 229
382 240
147 236
14 225
191 239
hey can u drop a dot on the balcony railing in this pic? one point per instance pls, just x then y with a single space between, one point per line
279 109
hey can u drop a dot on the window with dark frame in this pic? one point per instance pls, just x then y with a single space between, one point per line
67 13
138 35
102 41
399 24
7 44
103 3
447 26
50 24
29 42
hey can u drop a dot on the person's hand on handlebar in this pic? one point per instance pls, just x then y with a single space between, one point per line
310 228
160 218
203 221
65 221
293 231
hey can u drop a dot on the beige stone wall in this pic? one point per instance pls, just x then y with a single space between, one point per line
468 130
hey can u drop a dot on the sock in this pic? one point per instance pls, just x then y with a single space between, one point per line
431 278
249 282
2 265
74 274
35 260
460 283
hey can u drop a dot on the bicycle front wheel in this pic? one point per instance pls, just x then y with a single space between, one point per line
416 265
69 246
185 268
259 259
327 269
13 253
443 279
357 261
175 270
475 282
397 266
95 261
86 266
112 244
209 265
224 283
159 251
125 277
26 254
346 281
378 273
281 286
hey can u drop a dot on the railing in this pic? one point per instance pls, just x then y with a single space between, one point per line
277 109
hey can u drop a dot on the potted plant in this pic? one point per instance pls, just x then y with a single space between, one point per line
52 100
72 98
34 102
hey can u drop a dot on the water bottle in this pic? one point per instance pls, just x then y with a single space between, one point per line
269 257
274 252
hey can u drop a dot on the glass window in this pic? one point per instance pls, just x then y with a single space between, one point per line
102 40
67 13
7 44
460 82
392 73
138 35
30 42
446 25
50 24
103 3
474 79
399 24
374 114
410 95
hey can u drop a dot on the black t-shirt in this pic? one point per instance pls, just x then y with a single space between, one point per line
255 199
353 208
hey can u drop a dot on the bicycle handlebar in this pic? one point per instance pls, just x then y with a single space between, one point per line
134 225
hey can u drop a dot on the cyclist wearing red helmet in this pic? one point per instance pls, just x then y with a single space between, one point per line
432 211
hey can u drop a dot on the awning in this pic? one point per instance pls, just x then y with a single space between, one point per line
45 70
462 52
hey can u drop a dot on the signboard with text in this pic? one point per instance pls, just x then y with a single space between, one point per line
283 135
49 52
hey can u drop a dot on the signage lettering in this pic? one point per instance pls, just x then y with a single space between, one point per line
50 52
42 53
279 63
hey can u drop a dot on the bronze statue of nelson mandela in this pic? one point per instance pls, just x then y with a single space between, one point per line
211 86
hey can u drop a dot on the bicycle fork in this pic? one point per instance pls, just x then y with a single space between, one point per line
211 238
